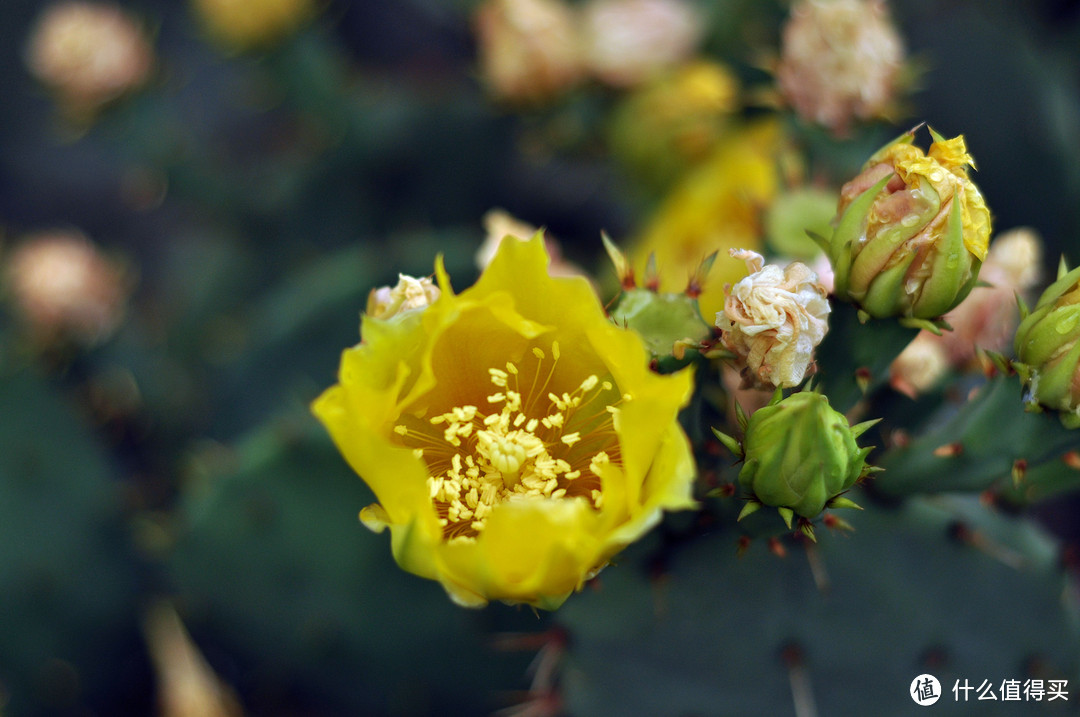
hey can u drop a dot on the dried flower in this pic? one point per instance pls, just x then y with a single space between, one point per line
840 61
250 24
514 437
529 49
912 231
65 288
630 41
774 319
88 54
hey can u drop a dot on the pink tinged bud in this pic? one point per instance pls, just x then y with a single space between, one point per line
912 231
774 319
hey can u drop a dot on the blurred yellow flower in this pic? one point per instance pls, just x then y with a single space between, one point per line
247 24
514 437
717 207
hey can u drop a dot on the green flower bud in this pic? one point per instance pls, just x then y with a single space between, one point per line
661 319
1048 346
912 231
800 455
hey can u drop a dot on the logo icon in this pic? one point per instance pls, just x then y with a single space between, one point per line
925 690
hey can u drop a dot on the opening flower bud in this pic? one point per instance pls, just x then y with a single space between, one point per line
1048 344
911 231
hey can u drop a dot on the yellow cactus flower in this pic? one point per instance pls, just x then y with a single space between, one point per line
514 437
249 24
717 207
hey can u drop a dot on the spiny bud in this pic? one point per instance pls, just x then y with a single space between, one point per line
801 455
1048 348
912 231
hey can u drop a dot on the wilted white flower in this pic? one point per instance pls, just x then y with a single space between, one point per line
629 41
840 61
410 293
65 288
88 53
773 319
529 49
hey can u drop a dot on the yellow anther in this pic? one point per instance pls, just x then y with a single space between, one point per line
571 475
519 419
589 383
496 398
607 385
554 350
511 368
531 425
538 353
418 452
558 493
401 430
571 438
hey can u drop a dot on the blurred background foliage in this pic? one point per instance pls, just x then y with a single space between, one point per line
251 200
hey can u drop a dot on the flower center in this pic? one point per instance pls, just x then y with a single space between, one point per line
531 443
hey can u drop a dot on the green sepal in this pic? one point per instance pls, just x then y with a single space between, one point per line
940 290
860 428
741 417
852 225
787 514
730 443
842 502
750 508
935 327
1022 306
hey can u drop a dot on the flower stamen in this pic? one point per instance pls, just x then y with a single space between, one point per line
482 459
